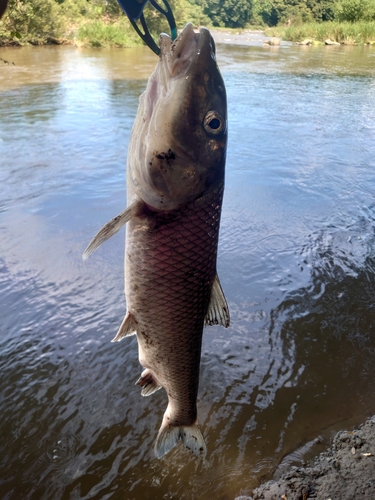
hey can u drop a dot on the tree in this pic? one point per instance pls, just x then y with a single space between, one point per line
322 10
355 10
230 13
38 18
273 12
184 11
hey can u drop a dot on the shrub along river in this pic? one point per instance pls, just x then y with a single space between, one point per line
296 262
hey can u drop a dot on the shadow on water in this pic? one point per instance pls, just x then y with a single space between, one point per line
329 328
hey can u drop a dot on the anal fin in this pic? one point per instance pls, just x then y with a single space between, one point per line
128 327
113 226
218 311
148 383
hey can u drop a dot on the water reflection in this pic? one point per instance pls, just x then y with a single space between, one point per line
33 65
295 259
330 323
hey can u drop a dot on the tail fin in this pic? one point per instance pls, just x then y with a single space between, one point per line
191 436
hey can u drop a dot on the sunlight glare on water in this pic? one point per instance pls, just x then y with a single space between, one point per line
296 262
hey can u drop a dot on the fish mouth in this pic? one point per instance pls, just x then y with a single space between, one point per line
186 51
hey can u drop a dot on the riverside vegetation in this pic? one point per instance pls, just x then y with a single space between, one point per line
342 32
101 23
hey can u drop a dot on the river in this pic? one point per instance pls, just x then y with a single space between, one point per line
296 261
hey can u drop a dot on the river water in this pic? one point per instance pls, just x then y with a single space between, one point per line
296 262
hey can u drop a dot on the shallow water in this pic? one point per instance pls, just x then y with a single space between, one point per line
296 261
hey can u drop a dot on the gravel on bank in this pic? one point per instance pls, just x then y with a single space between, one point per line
346 471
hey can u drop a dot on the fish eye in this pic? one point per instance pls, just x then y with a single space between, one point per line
213 123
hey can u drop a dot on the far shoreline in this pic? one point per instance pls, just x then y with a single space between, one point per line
327 33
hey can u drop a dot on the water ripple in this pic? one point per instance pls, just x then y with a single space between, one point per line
296 261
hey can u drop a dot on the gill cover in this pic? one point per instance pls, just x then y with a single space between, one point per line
178 145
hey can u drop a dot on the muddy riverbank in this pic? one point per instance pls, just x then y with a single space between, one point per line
344 472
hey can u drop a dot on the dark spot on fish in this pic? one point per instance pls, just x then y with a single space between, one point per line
170 155
146 336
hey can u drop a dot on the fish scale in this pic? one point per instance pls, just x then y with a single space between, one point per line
177 297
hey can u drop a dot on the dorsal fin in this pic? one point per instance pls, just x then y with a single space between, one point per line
218 311
113 226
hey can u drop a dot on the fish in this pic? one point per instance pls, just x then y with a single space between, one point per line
175 183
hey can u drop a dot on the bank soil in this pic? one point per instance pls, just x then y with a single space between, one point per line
346 471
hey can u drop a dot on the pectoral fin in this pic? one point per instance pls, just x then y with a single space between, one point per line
218 311
128 327
113 226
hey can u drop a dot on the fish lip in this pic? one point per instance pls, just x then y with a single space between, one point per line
180 55
205 38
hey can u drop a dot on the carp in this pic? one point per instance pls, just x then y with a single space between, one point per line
175 185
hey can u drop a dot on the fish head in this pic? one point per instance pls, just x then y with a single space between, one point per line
178 145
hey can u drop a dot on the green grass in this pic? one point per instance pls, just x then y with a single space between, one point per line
101 34
93 33
349 33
